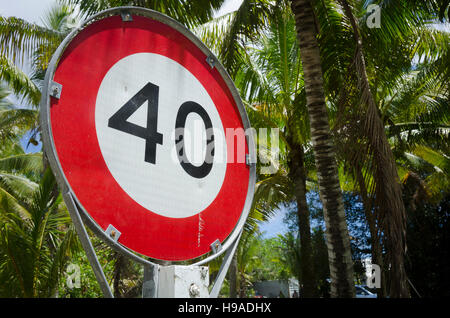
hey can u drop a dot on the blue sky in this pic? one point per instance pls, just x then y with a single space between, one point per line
30 147
275 225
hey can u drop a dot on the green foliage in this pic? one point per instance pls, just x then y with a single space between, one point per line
190 13
278 258
407 68
19 38
36 241
18 81
274 263
129 281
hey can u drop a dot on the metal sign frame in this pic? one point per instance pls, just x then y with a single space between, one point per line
78 214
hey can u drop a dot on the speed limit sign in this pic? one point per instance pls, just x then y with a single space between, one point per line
145 129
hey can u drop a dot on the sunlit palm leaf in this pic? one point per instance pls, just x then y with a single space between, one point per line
25 163
18 36
190 13
19 81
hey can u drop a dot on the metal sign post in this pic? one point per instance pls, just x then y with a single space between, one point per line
136 115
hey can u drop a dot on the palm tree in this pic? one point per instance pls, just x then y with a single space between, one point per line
366 147
18 170
341 265
234 27
36 239
270 77
385 165
23 42
417 120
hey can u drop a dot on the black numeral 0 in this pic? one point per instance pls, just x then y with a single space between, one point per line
150 93
195 171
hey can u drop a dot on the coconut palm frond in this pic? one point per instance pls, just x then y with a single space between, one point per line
34 251
24 163
10 205
18 81
212 32
190 13
18 36
248 22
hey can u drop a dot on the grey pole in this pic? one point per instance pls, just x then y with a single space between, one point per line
224 268
87 246
150 282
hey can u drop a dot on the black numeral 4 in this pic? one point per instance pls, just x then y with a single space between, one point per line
119 121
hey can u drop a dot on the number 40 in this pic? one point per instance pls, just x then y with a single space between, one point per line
150 93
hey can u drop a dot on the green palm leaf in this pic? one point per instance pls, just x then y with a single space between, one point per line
190 13
18 36
19 81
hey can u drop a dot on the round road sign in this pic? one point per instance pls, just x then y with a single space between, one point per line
136 124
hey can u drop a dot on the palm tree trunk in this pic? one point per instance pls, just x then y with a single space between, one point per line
118 266
297 174
388 189
232 276
242 286
338 241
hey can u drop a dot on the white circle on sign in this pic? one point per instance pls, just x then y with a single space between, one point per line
163 187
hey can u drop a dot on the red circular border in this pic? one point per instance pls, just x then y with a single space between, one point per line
80 71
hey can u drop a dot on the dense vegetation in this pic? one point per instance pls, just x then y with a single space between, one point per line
362 167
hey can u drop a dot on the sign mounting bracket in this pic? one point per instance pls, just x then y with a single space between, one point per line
55 90
126 16
113 232
211 61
